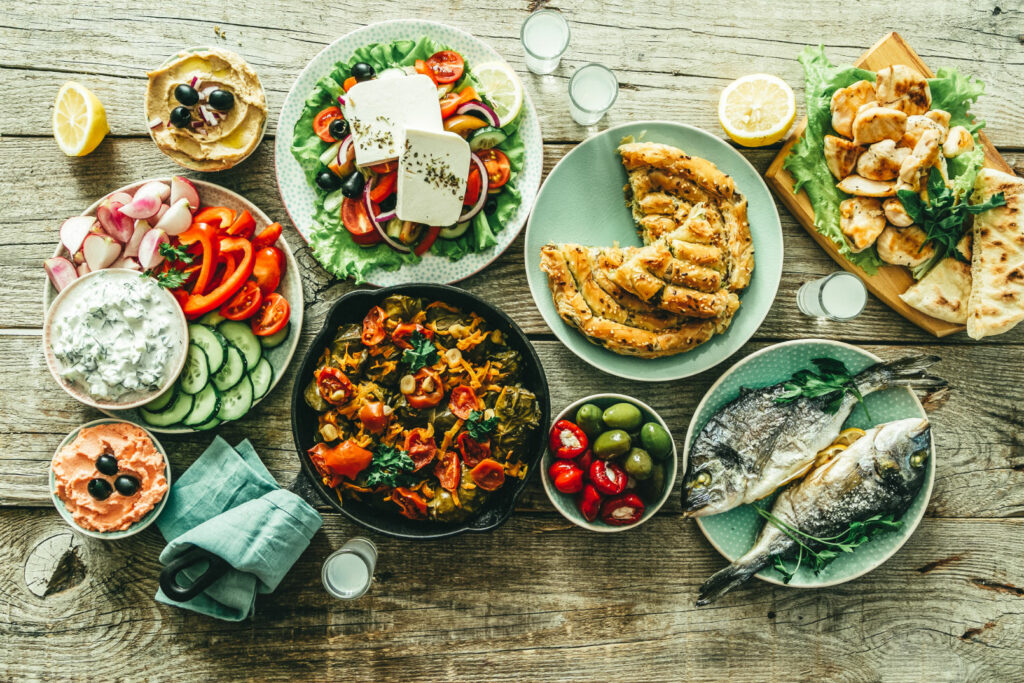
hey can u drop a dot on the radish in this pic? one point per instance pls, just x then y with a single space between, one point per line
126 262
142 205
83 269
155 187
74 230
177 219
149 248
141 228
182 188
100 251
115 222
61 271
122 197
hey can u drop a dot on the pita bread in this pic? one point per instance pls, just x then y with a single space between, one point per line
944 291
997 269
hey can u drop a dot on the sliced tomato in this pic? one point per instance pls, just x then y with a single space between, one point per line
386 167
420 447
498 167
473 187
447 66
428 240
414 506
429 390
267 237
385 187
373 326
373 417
357 222
401 335
472 451
334 385
488 475
349 82
322 122
244 303
220 217
448 471
463 401
243 225
422 68
449 103
272 316
267 269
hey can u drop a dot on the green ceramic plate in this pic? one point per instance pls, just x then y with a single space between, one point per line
732 533
581 201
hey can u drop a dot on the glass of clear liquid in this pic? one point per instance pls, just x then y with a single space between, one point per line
545 37
592 92
348 572
839 296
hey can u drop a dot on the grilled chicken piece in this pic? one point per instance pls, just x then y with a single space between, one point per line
902 88
860 186
841 156
874 124
958 141
924 156
904 246
882 160
917 125
846 102
895 213
861 220
939 116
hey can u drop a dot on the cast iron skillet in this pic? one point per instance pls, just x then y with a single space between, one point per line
352 308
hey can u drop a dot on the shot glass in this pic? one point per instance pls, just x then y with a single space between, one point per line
839 296
592 92
348 572
545 37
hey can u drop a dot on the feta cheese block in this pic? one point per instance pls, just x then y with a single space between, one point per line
432 173
379 111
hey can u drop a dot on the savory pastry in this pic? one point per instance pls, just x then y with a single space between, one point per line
944 291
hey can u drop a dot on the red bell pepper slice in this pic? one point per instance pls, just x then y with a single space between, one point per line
219 217
567 440
198 304
384 187
207 238
622 510
243 225
267 237
428 240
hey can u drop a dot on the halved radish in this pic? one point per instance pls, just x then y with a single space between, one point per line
177 219
74 230
122 197
182 188
155 187
164 208
142 205
100 251
61 272
141 228
149 248
83 269
115 222
126 262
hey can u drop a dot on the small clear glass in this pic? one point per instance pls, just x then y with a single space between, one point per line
839 296
348 572
592 92
545 38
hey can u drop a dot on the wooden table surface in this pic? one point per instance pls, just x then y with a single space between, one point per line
537 598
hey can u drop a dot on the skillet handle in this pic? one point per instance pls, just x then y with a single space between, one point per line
217 568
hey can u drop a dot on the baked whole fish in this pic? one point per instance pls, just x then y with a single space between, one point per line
754 445
880 473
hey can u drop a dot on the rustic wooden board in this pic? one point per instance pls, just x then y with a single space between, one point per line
890 281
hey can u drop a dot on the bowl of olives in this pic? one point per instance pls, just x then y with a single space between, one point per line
611 462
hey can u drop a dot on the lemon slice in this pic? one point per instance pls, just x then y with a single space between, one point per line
848 436
79 120
503 89
757 110
827 453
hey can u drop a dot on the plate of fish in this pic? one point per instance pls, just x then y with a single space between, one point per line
810 463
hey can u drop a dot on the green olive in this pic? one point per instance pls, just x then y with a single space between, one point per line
588 417
622 416
638 464
656 440
652 488
611 444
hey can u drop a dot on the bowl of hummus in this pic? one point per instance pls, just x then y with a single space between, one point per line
206 109
109 479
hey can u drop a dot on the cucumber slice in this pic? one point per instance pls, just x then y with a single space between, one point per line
212 319
486 137
273 340
233 370
453 231
204 407
241 336
236 401
332 202
196 374
164 400
211 342
176 413
209 424
262 377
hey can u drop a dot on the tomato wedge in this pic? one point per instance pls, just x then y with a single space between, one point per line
448 471
385 186
447 66
402 333
243 304
322 122
429 390
357 222
473 187
268 236
373 326
420 447
414 506
334 385
463 401
272 316
498 167
267 269
422 68
488 475
472 451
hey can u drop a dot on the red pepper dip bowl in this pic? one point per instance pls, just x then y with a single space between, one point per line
609 471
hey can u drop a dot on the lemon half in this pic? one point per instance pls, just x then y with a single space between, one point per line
503 89
79 120
757 110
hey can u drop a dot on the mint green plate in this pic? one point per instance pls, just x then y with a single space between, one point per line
732 533
582 202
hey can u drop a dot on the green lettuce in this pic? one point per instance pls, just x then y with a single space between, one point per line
330 241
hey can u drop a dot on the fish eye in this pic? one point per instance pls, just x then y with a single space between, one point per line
917 459
703 479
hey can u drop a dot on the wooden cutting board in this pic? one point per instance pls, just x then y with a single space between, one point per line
890 281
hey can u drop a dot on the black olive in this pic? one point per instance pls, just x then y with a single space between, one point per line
491 205
327 181
181 116
126 485
107 464
389 203
222 100
352 185
186 94
99 489
361 71
338 129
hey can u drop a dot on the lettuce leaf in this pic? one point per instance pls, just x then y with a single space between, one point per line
956 92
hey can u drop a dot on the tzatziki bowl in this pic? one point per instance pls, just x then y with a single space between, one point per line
115 340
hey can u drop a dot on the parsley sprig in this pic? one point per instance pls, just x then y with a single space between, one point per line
390 466
833 382
171 278
478 427
422 353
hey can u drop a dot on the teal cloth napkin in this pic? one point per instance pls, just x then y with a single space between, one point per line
228 503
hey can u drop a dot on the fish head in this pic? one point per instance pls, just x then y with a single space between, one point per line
712 485
904 446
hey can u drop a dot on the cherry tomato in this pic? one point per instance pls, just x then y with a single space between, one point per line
498 167
488 475
357 222
267 237
421 448
472 451
413 505
422 68
322 122
244 304
272 316
447 66
334 385
373 327
463 401
267 269
473 187
566 476
429 390
373 418
448 471
385 187
349 82
401 335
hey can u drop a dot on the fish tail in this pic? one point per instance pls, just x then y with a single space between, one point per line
724 580
905 372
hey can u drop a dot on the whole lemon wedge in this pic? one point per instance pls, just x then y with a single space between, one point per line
79 120
757 110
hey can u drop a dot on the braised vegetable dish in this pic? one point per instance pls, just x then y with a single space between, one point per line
420 410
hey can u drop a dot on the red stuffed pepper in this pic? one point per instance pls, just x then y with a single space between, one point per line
567 440
622 510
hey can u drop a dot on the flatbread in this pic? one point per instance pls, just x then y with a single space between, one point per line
944 291
997 269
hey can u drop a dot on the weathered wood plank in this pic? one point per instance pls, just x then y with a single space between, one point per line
977 431
565 605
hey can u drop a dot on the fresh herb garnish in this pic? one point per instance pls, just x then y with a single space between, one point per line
170 279
176 253
390 466
857 534
834 382
422 353
478 427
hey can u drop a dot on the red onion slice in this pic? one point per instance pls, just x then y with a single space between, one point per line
484 185
195 79
481 110
377 223
346 146
341 101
